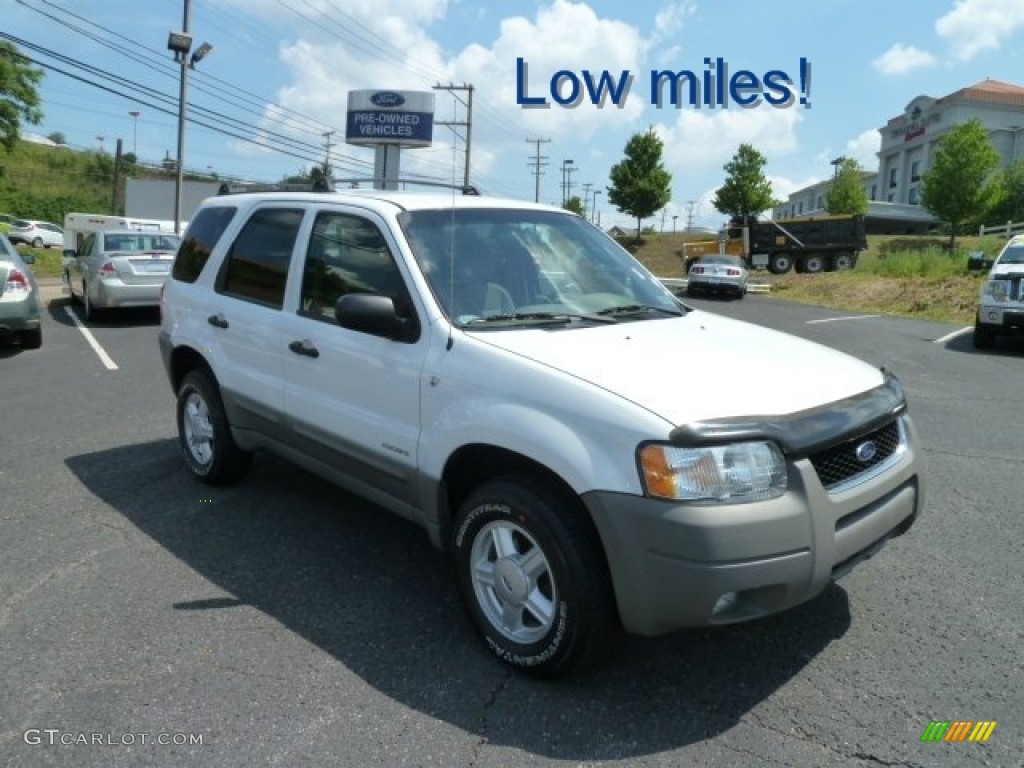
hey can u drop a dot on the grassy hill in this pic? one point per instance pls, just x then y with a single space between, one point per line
43 182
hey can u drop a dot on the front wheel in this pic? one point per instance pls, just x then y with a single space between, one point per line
204 434
984 336
533 576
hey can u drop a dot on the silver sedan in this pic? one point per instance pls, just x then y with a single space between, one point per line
120 268
718 273
20 305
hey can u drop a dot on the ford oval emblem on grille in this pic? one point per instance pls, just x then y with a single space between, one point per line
866 451
388 99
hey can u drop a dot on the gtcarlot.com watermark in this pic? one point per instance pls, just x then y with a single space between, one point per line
57 737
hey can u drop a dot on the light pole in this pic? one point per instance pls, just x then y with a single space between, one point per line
566 185
100 140
593 211
674 217
135 132
181 43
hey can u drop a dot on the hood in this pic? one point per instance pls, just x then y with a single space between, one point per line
700 366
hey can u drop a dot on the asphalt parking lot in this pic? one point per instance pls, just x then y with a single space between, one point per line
146 619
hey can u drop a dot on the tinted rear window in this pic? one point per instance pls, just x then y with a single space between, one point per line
200 238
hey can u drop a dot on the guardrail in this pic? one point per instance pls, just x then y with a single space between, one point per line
1005 230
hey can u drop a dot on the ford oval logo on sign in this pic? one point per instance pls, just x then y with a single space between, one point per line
388 99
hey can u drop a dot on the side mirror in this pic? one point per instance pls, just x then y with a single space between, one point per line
374 314
70 253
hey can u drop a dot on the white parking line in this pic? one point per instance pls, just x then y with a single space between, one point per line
954 334
836 319
107 361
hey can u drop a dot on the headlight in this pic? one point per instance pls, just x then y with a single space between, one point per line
996 289
724 473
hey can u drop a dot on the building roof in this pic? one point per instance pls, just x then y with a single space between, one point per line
991 91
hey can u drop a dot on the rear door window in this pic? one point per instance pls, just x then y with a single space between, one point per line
256 267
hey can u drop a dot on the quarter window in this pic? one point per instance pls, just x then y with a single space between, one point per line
200 238
256 267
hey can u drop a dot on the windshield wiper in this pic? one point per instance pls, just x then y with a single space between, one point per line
548 317
635 309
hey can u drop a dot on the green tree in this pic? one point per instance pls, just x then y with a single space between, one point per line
640 185
958 187
847 194
57 138
746 191
19 99
1009 203
575 205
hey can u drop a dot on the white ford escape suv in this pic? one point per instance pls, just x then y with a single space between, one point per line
593 453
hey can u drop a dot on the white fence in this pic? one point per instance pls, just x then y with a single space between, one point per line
1005 230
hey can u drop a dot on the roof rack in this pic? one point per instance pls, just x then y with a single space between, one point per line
466 189
330 185
237 189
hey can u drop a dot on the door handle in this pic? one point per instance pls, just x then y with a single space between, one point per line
304 347
217 321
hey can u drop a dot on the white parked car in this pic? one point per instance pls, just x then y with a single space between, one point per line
38 234
1001 303
592 453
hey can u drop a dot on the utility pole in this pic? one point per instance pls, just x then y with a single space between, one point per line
467 123
537 164
586 196
690 204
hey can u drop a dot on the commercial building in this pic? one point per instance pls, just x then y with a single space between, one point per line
909 143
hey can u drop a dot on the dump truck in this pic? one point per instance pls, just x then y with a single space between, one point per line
819 244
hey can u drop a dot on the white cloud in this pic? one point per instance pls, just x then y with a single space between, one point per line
974 26
700 140
864 149
900 59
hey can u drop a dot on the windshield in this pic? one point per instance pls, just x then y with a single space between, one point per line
1014 254
509 266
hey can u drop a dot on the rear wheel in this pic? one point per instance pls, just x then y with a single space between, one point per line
31 339
37 243
780 263
204 434
841 261
533 576
92 312
813 263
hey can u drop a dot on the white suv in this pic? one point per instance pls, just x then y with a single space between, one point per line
1001 303
592 452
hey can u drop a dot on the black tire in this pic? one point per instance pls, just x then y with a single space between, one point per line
71 293
558 613
31 339
780 263
92 312
204 434
984 336
843 261
37 243
813 263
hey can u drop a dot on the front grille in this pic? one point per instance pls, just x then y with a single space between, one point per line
840 463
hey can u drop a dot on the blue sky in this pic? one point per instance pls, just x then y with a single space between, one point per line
280 72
